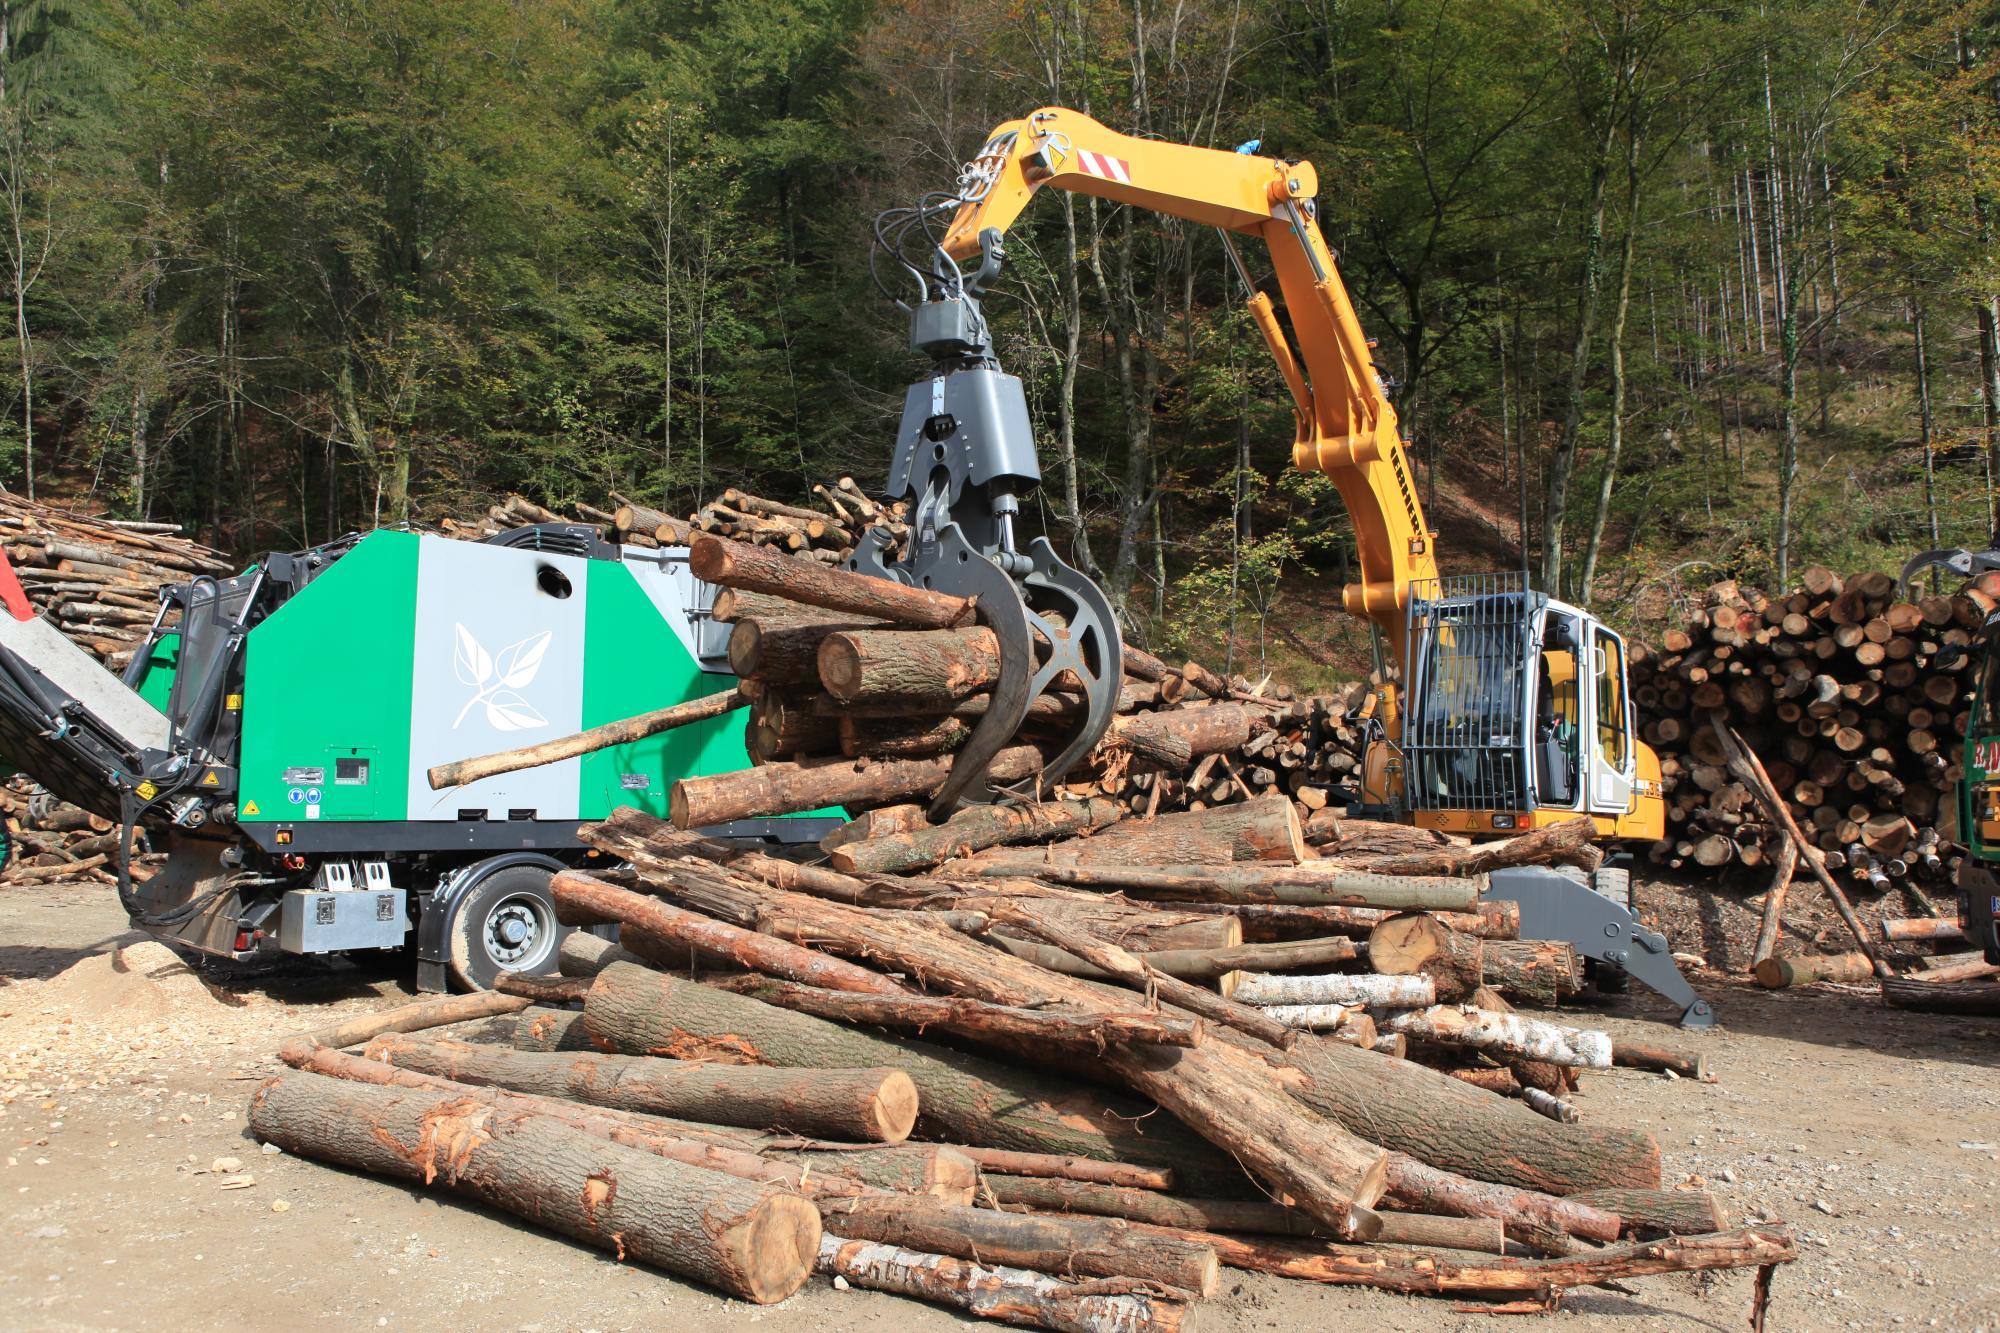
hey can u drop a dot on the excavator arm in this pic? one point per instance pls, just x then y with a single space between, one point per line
1346 425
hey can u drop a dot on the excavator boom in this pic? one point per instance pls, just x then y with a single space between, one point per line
1346 424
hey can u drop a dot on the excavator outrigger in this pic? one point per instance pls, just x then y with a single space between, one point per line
1500 708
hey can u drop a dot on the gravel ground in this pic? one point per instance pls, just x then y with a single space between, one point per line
131 1195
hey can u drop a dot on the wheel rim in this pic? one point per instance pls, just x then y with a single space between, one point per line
519 932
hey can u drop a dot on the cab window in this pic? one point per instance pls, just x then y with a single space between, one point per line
1611 738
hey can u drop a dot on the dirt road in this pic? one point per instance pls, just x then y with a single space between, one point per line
1876 1133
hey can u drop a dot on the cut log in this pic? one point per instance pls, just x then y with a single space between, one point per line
757 569
1649 1214
1044 1167
1955 997
1522 1284
1015 1295
1096 1246
545 1029
973 829
1923 928
991 1021
1315 883
1386 992
747 1239
876 1105
419 1016
1269 922
626 731
1639 1055
1506 1034
961 1097
1264 829
1546 1224
1437 1120
1175 738
1207 964
1339 1020
921 668
1417 944
1780 973
792 788
780 653
660 922
1540 970
1566 842
927 1169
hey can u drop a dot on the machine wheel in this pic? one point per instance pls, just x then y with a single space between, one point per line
1615 883
506 924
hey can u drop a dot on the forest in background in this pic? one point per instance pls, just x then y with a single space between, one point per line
1668 292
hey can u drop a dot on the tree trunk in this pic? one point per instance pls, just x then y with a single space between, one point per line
787 789
927 1169
1175 738
1264 922
1313 884
1615 443
988 1021
922 668
1546 1224
1956 997
874 1105
1062 1245
1437 1120
626 731
961 1097
746 1239
758 569
1385 992
973 829
1417 944
1040 1166
1506 1034
1015 1295
1649 1214
418 1016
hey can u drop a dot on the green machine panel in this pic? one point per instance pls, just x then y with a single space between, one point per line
327 679
636 660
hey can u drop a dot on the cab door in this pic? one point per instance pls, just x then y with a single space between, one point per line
1611 761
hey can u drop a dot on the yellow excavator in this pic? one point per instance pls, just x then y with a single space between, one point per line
1501 708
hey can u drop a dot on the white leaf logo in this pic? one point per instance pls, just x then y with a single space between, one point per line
519 662
495 682
508 711
472 662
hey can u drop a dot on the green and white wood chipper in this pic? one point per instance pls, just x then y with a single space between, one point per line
274 741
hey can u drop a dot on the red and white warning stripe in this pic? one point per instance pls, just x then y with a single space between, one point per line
1103 164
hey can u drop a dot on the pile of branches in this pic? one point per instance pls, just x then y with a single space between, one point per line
99 579
1055 1062
1855 701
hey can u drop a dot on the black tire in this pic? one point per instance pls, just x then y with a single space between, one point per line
507 923
1615 883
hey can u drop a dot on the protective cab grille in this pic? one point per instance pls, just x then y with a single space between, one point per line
1464 744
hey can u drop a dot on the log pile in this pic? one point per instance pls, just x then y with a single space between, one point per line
99 579
1855 701
48 839
1134 1047
825 531
1017 1097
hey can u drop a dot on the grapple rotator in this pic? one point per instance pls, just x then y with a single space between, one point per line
964 460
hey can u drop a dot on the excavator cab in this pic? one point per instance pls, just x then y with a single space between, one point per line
1516 712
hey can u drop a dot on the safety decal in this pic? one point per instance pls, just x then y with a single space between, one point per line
250 808
209 779
1104 165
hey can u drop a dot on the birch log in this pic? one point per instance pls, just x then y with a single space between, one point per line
1337 988
1505 1034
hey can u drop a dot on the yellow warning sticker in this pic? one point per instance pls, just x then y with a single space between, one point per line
250 808
147 791
233 702
209 779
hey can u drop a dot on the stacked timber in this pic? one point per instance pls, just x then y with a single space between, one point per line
99 579
48 839
1025 1096
825 532
1855 701
861 691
